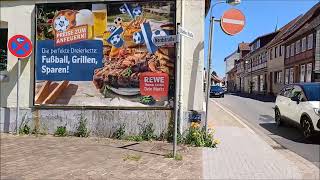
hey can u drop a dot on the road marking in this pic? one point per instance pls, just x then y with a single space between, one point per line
235 117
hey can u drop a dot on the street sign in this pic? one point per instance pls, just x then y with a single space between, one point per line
165 40
20 46
232 21
185 32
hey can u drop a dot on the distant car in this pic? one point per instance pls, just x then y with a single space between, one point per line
224 88
300 103
216 91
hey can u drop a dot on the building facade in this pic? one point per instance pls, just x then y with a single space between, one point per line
256 69
230 64
121 109
243 49
300 55
275 61
288 55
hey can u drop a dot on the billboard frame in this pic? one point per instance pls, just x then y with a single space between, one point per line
88 107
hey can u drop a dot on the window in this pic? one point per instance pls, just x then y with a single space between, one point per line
3 48
287 76
260 59
258 44
271 53
288 52
281 50
309 72
291 74
310 41
287 91
303 44
298 46
266 55
275 52
302 73
292 50
278 77
296 91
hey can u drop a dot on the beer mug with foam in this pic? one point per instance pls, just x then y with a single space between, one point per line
100 19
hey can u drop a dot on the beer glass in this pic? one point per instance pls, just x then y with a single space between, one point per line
100 19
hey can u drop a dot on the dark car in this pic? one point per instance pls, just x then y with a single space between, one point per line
216 91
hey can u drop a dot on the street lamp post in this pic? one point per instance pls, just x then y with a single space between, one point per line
209 60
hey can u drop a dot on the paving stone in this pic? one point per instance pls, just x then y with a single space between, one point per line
47 157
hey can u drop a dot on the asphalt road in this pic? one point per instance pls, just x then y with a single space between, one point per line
260 115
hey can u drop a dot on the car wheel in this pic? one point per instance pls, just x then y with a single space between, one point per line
307 127
222 95
277 117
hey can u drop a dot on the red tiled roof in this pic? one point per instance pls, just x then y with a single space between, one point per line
216 78
282 31
302 21
307 27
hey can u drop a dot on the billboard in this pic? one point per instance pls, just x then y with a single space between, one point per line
104 54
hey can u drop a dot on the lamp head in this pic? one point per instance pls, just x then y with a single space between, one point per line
233 2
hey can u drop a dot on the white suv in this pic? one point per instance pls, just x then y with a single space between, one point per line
300 103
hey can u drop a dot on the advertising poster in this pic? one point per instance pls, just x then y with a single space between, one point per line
105 54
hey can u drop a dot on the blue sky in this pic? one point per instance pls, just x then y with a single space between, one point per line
261 18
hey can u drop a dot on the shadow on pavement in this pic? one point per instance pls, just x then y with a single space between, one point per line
137 150
290 132
258 97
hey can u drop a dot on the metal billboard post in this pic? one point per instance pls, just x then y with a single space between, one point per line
177 93
18 108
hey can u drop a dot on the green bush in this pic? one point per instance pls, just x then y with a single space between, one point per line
170 133
24 129
196 136
82 130
61 131
147 132
119 133
137 138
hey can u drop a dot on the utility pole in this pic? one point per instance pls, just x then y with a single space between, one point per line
209 60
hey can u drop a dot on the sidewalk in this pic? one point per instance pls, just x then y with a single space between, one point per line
47 157
242 154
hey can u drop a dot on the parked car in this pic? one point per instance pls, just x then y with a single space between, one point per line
300 103
216 91
224 88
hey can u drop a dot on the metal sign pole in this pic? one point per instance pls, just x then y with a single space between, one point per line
177 99
208 78
18 108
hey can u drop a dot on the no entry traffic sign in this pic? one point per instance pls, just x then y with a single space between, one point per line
20 46
232 22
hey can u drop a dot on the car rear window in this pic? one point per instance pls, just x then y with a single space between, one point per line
216 88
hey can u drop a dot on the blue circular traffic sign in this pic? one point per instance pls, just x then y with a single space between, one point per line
20 46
